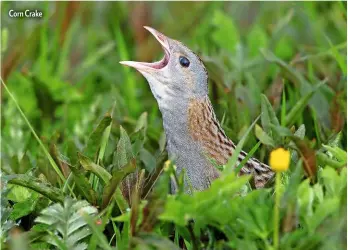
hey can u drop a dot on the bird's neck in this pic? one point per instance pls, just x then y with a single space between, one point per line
205 129
194 121
175 123
193 136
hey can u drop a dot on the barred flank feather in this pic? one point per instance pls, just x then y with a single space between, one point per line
205 129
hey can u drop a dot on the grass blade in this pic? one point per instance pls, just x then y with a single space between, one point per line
114 183
339 58
283 110
300 105
232 161
268 115
249 155
95 139
49 157
84 186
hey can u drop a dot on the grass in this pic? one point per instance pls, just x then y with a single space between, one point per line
82 142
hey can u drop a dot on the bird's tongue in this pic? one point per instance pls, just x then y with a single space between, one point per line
141 66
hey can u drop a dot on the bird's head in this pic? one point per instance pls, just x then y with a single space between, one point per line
180 75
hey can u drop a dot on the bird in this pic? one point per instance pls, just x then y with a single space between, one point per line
194 136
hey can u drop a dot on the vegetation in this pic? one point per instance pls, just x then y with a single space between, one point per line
76 125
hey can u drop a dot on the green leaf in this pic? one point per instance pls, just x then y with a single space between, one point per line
52 193
117 176
148 159
325 160
14 165
319 102
341 60
55 241
257 222
138 137
323 210
141 123
19 193
66 223
23 208
162 142
305 198
232 161
202 206
335 140
263 137
153 241
318 191
95 139
333 182
175 211
300 105
337 152
24 165
124 150
45 169
281 131
138 140
301 131
83 185
318 132
268 115
97 232
104 143
89 165
71 150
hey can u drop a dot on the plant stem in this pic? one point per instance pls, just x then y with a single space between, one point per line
195 243
276 212
51 193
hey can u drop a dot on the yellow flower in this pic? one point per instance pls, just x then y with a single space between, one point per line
167 165
279 159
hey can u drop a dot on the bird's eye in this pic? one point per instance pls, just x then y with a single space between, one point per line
184 61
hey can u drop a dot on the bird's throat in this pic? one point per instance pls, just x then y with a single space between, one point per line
194 137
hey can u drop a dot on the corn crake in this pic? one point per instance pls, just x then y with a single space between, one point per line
179 82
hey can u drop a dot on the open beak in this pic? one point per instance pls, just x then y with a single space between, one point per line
144 66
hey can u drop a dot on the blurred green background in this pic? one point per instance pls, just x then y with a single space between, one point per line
63 69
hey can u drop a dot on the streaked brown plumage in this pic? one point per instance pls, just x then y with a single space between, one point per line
205 129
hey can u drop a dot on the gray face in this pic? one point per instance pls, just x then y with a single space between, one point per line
178 77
